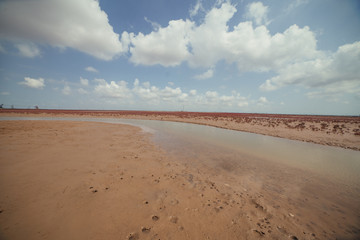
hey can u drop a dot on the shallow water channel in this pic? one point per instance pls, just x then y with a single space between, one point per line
191 140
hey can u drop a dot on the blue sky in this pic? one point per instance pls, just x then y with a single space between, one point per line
274 56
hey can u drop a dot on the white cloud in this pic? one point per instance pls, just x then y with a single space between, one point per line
335 91
295 4
154 25
4 93
252 49
80 25
214 99
112 89
338 72
33 82
28 50
66 90
84 81
257 12
262 101
208 41
166 46
193 92
82 91
208 74
211 95
154 94
146 94
197 7
91 69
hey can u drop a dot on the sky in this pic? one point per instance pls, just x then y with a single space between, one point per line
270 56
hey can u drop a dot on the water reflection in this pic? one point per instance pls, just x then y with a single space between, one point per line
191 139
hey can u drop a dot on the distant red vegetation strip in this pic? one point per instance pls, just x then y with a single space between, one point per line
120 113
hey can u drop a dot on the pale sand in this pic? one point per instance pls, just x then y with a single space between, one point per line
81 180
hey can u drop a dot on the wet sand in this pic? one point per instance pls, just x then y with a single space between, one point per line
86 180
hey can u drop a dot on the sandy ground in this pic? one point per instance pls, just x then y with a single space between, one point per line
340 131
82 180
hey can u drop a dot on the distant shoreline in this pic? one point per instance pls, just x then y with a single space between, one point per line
339 131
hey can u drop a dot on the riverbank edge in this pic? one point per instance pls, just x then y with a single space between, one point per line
340 132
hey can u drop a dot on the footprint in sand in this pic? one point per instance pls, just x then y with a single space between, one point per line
133 236
154 217
261 233
174 202
173 219
145 229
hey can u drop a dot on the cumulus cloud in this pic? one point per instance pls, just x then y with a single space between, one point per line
291 55
33 82
91 69
251 48
80 25
84 81
146 94
262 101
82 91
166 46
208 41
331 73
208 74
66 90
29 50
112 89
193 92
214 99
257 12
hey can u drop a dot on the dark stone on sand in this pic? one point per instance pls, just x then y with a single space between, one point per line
154 217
